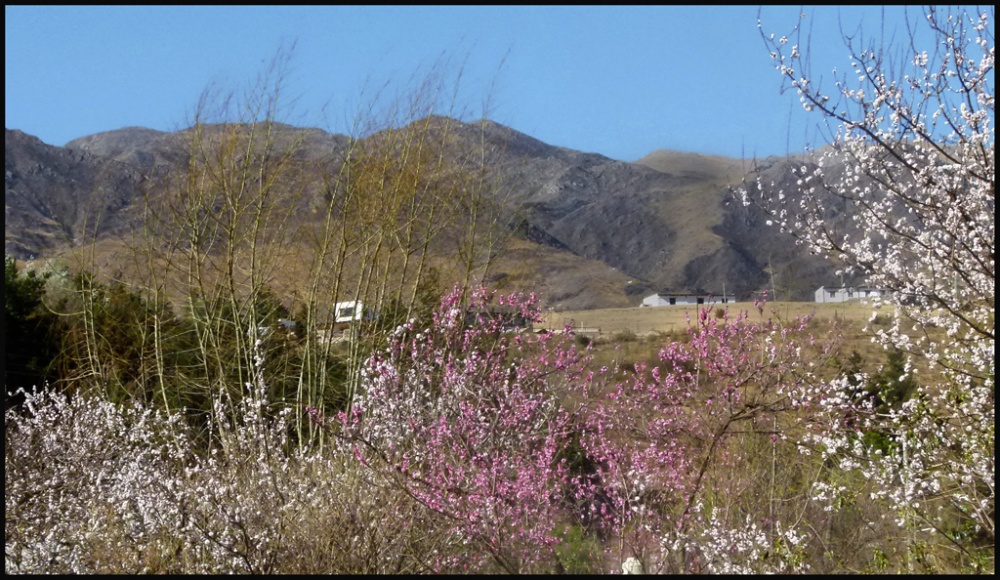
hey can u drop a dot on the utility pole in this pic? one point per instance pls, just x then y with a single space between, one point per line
770 271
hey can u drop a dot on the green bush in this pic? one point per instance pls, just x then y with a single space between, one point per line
625 336
30 346
579 552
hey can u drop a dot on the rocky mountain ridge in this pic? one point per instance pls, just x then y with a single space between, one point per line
592 231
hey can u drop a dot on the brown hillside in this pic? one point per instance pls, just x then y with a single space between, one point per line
589 231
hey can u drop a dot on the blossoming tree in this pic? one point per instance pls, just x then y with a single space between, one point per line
673 436
465 417
914 138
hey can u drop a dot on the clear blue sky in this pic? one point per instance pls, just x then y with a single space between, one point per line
622 81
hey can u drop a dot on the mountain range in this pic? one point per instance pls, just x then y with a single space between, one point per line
590 231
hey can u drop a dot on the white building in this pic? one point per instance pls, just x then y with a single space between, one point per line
676 299
845 293
351 311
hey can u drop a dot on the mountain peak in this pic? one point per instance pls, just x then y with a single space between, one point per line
585 224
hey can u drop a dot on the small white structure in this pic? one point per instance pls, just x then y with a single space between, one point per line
351 311
844 294
632 565
672 299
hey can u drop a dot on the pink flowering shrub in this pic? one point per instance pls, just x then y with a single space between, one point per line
508 437
661 432
465 416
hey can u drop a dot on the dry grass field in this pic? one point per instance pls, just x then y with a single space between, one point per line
631 335
646 321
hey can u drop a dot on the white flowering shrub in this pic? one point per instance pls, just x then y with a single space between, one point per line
916 136
95 487
87 485
714 548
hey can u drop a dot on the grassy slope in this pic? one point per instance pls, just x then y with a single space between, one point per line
670 318
630 335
